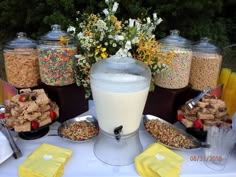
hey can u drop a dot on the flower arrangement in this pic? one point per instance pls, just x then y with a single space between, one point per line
102 35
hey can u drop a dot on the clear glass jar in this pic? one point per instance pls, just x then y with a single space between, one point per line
177 75
56 58
206 64
21 62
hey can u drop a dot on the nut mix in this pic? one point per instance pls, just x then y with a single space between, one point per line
167 135
209 111
78 131
30 110
22 68
205 70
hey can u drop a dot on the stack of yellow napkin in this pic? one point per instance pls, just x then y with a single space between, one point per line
46 161
158 161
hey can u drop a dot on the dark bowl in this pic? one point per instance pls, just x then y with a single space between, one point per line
198 133
36 133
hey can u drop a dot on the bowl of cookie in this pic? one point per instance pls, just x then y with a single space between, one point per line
30 113
208 111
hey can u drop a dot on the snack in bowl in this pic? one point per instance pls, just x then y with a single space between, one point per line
169 135
209 111
29 110
79 129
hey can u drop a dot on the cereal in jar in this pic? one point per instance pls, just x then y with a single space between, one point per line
206 64
56 58
177 76
21 62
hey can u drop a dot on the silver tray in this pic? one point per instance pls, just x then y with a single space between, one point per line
197 144
88 118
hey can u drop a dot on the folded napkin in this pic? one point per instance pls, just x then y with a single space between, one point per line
158 161
45 161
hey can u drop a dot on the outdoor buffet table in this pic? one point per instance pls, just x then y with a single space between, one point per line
84 163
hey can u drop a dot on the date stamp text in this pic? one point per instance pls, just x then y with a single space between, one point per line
206 158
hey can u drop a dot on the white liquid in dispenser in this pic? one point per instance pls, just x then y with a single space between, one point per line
119 100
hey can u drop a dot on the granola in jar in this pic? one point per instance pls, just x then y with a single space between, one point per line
21 62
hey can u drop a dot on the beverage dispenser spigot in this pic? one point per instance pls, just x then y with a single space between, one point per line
117 132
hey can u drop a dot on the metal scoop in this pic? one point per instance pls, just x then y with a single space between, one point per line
190 104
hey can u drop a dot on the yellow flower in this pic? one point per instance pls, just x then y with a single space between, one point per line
102 51
149 52
104 55
113 19
63 40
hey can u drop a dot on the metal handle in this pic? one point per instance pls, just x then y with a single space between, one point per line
204 145
16 151
194 101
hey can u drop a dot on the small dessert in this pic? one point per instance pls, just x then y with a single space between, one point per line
29 110
209 111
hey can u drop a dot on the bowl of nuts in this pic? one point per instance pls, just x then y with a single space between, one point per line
79 129
169 135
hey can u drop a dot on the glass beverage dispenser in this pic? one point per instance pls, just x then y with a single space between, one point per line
119 87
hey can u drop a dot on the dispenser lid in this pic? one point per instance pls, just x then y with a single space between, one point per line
205 46
174 39
21 41
54 34
121 70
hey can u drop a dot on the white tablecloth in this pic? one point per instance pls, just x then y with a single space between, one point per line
84 163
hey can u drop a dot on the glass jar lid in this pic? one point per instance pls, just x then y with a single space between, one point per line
54 34
21 41
174 39
205 46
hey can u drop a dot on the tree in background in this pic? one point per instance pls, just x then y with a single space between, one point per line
194 18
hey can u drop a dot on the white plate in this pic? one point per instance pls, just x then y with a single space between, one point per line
5 150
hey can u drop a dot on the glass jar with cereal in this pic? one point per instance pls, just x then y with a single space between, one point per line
206 64
21 62
56 57
177 76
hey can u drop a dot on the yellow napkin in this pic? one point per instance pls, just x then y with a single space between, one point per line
158 161
45 161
